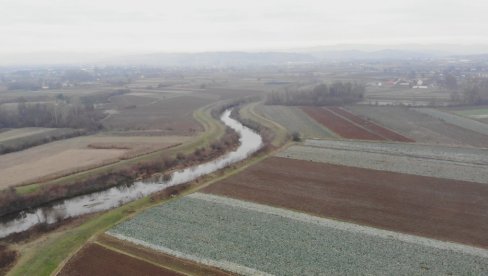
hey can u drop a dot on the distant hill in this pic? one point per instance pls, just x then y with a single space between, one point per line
242 59
372 55
217 59
317 54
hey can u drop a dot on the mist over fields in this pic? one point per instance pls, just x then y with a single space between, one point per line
216 137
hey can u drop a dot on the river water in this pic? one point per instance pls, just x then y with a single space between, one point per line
114 197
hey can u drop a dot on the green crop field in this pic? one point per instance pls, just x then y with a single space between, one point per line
249 238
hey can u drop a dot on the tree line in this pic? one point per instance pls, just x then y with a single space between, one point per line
22 143
56 115
474 92
337 93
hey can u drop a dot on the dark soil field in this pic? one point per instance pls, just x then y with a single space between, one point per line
432 207
370 125
95 259
339 125
178 264
7 259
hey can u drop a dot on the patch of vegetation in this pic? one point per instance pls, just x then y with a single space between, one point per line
65 112
296 137
475 92
473 112
338 93
7 258
59 115
22 143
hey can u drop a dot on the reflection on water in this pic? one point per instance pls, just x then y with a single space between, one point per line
250 142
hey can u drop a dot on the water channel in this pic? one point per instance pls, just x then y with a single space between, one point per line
114 197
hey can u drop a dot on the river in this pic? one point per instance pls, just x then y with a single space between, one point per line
114 197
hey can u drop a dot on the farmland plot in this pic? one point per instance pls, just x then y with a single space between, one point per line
95 260
230 92
455 120
294 119
124 101
372 126
421 127
435 152
340 125
22 138
70 155
67 160
184 266
22 132
174 116
406 96
254 239
439 208
480 114
417 165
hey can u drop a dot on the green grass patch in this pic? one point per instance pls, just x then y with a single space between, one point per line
473 112
45 259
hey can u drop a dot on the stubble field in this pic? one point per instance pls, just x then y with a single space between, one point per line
174 116
68 156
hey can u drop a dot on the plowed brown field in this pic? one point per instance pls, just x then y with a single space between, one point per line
432 207
350 126
384 132
95 259
184 266
339 125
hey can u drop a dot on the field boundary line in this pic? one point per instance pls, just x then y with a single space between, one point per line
136 257
356 124
263 117
385 152
334 136
442 169
381 125
222 264
455 119
344 226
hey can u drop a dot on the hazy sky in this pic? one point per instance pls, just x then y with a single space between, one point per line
207 25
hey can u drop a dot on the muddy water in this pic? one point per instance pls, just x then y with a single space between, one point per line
114 197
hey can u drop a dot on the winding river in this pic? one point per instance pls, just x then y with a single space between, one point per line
114 197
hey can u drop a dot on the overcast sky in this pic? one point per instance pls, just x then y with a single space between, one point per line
208 25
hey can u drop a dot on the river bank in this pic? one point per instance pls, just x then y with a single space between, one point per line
119 195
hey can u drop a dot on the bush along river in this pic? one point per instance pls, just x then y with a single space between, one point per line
250 142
